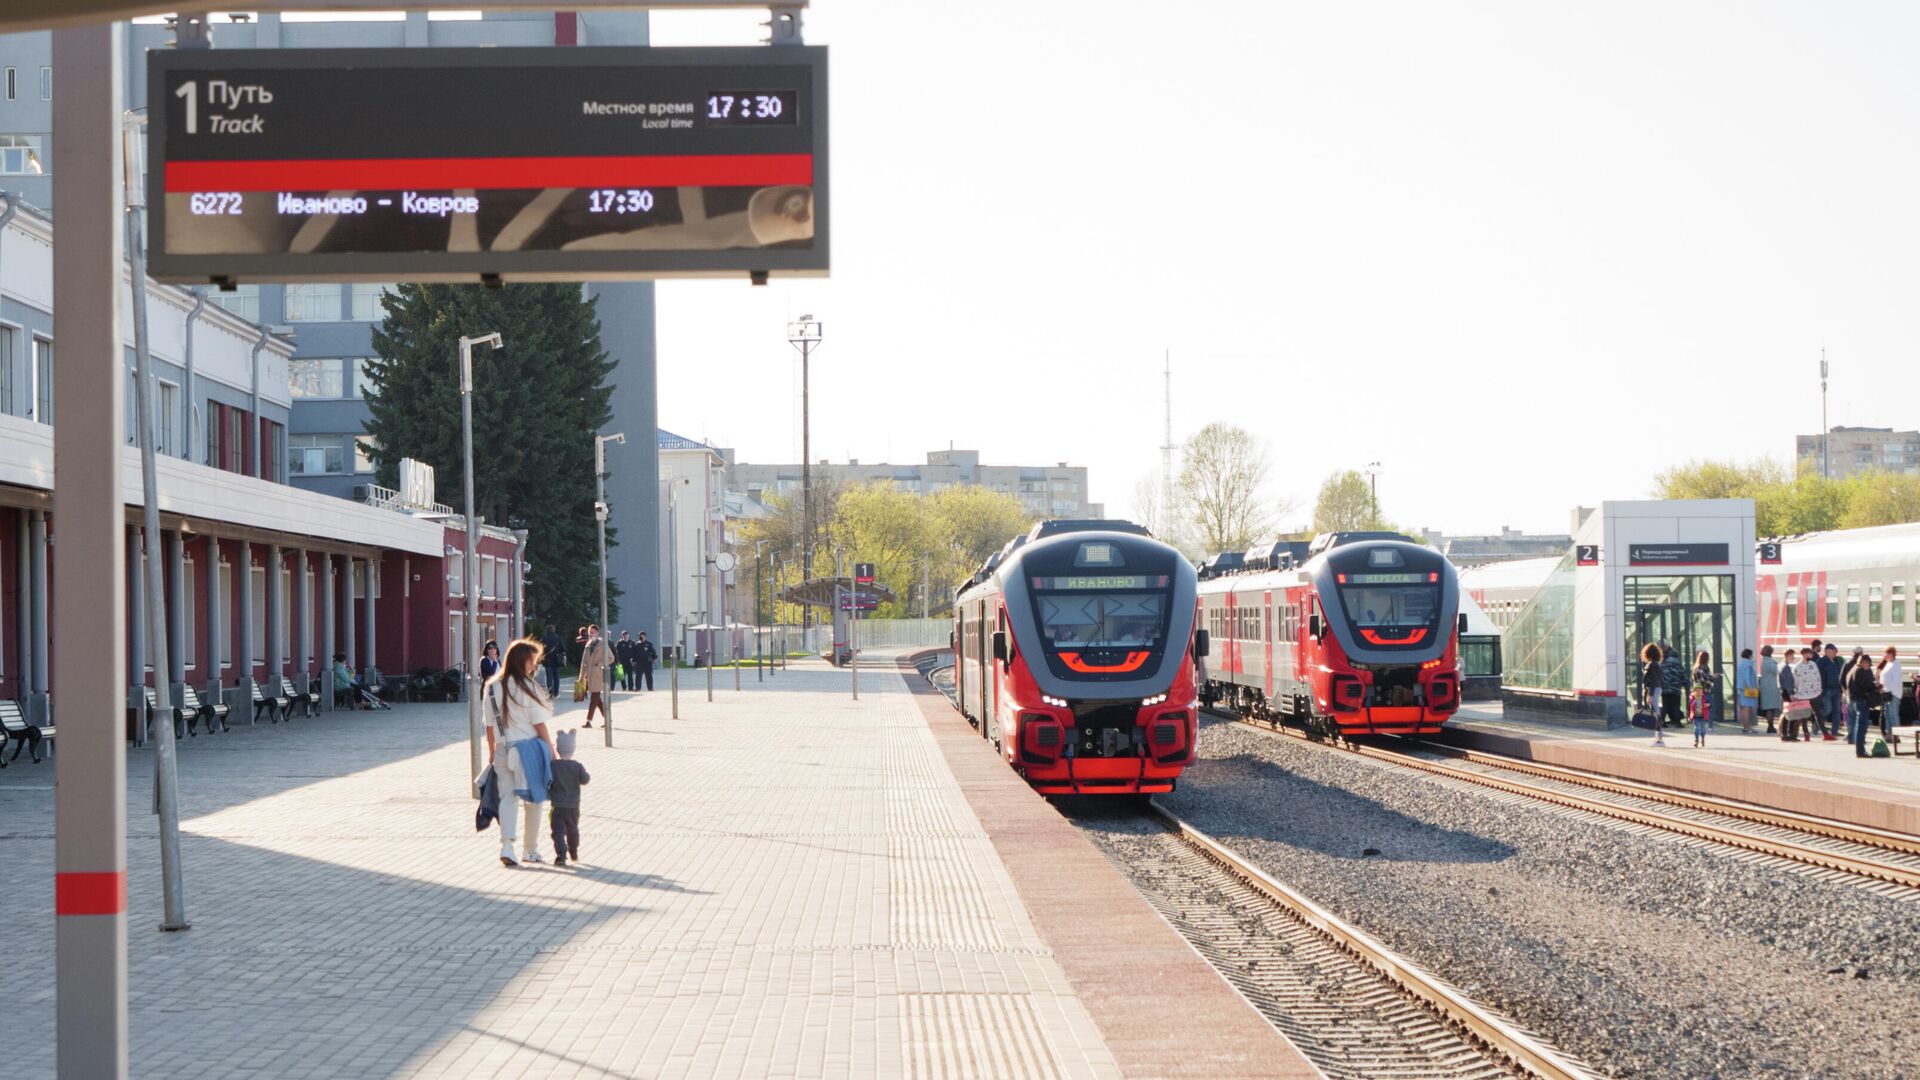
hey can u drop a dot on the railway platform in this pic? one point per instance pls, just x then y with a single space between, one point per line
784 882
1820 778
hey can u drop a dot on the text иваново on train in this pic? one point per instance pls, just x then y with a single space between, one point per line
1356 633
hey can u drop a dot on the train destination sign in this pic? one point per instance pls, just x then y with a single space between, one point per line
522 164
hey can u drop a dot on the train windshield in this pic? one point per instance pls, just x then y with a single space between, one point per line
1101 626
1375 607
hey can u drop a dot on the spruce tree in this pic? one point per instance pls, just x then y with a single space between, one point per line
537 404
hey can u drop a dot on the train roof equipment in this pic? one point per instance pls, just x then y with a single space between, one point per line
1043 529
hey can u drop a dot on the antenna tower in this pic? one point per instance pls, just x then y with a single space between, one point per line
1165 524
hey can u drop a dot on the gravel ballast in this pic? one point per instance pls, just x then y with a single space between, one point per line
1640 953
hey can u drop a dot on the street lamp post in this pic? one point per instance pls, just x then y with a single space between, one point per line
759 652
471 565
600 519
804 334
1373 488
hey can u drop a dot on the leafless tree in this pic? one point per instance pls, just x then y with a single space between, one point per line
1223 478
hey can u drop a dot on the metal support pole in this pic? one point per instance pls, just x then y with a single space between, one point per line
329 597
89 595
606 629
471 566
166 794
673 678
759 652
729 616
706 598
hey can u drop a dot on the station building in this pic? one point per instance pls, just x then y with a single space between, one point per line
1572 627
264 579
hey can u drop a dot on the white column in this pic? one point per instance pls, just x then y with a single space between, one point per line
89 594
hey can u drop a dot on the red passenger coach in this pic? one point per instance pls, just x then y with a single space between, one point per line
1074 653
1356 634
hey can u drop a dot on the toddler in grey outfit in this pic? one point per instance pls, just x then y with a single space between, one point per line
563 797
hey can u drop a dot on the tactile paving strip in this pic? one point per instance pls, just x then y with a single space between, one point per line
974 1035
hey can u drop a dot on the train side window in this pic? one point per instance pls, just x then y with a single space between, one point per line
1793 607
1874 608
1897 604
1853 605
1833 605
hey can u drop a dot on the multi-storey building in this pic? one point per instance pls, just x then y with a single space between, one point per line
314 400
1859 449
1045 491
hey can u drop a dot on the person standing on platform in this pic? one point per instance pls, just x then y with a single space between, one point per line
1892 691
594 658
489 661
644 657
1653 687
554 654
519 743
1807 693
1673 687
1769 688
1746 690
1705 682
564 815
1863 696
1827 709
623 655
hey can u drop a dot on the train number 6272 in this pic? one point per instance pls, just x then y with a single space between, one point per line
214 202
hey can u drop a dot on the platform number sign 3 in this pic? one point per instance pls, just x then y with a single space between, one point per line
1770 554
1586 554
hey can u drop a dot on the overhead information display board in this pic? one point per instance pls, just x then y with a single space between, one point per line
517 164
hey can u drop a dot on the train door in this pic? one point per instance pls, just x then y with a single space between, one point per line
1266 638
984 652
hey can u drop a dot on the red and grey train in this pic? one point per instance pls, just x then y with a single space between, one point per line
1074 652
1356 635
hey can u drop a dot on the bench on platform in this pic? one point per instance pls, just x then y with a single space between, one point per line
309 700
14 725
154 709
275 706
382 687
197 709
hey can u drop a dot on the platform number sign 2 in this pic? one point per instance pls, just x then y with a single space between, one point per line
1586 554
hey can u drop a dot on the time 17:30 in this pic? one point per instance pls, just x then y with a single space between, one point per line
619 201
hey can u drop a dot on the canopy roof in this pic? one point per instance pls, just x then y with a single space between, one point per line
820 592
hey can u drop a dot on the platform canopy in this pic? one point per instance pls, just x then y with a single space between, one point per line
821 591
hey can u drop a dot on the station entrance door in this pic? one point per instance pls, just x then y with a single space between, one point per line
1690 614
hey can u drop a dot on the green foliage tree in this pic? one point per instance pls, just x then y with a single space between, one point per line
1880 498
536 406
880 524
971 523
1783 503
1345 504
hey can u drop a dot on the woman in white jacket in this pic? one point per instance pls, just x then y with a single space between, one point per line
1806 688
521 717
1890 686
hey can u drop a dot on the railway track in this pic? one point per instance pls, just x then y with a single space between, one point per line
1353 1007
1884 862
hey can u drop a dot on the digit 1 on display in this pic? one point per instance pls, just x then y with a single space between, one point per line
719 107
188 90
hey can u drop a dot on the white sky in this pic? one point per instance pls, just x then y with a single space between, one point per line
1523 254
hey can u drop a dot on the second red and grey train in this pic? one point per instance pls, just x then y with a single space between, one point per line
1356 635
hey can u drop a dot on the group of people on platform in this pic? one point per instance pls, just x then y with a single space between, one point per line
1806 691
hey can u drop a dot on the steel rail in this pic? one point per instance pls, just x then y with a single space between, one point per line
1784 849
1501 1036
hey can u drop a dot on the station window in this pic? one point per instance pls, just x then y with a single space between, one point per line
363 448
243 301
13 83
315 455
1853 605
1897 603
317 376
23 155
366 301
1874 608
313 302
1793 607
46 84
6 370
226 598
43 380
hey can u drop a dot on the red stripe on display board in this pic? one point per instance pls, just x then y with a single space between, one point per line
439 174
91 893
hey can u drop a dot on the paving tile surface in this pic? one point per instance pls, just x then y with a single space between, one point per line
782 883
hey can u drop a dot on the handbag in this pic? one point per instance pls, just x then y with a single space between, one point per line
580 688
619 672
1645 720
1799 710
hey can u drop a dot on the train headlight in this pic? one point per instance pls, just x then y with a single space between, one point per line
1154 700
1049 699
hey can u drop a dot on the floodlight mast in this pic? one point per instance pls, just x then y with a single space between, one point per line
472 563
